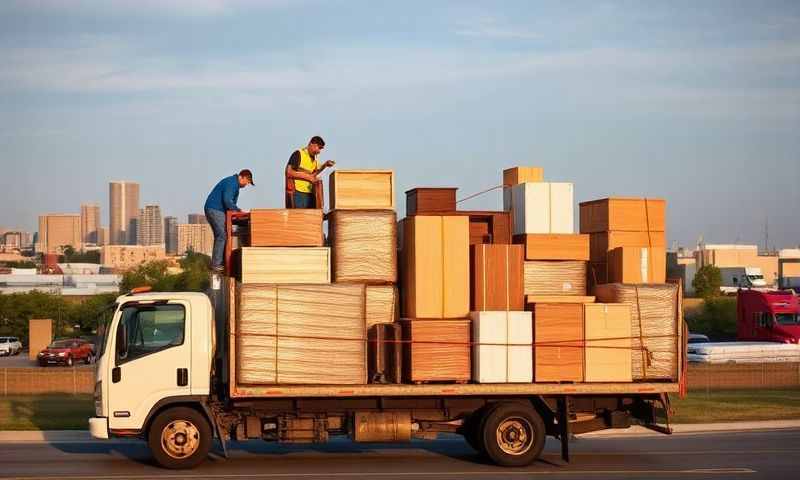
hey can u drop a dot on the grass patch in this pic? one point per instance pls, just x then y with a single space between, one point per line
737 406
45 412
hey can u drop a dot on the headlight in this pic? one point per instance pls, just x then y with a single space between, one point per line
62 354
98 399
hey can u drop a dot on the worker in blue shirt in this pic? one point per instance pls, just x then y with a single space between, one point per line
222 199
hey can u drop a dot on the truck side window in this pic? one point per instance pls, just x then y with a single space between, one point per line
151 329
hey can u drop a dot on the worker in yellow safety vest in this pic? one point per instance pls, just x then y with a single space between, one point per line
302 173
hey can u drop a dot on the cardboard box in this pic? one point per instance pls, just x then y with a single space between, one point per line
382 304
285 265
516 175
362 190
502 347
637 265
554 246
655 326
40 334
496 277
430 201
558 352
554 277
623 214
435 272
436 350
601 243
286 228
289 334
607 329
363 246
541 208
385 353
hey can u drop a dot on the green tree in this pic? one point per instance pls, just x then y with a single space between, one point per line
192 278
72 256
707 281
717 319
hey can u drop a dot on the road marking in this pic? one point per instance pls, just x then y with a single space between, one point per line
698 471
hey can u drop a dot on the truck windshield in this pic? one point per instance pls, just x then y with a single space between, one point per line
756 277
787 318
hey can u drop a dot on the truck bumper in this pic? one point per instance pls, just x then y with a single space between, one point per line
98 427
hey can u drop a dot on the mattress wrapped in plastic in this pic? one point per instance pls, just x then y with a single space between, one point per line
567 277
654 326
290 334
363 244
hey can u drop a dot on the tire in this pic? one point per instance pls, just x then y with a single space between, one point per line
472 428
69 361
513 434
179 438
88 359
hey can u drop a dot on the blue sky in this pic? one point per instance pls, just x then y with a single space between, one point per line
696 102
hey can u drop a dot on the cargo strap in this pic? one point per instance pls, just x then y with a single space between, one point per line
647 355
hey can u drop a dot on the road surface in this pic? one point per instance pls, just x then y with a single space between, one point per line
746 455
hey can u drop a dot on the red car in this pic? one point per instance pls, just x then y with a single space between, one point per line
66 352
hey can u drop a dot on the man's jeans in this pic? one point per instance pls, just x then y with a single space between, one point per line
216 219
304 200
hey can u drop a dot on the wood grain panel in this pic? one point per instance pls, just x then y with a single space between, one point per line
607 328
362 189
554 246
436 350
286 228
623 214
285 265
430 201
559 342
496 277
363 244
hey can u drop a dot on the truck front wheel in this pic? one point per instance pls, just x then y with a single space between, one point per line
179 437
513 434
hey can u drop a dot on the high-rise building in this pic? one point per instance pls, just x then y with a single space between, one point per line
123 199
197 218
150 226
58 230
11 240
102 236
195 237
90 222
171 235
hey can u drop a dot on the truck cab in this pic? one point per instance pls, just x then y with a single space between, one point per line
154 352
735 278
768 316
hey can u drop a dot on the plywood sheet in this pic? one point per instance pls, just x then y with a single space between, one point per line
623 214
558 352
285 265
637 265
362 189
286 228
363 244
601 243
607 329
496 277
516 175
430 201
555 277
435 257
436 350
654 326
382 304
554 246
541 208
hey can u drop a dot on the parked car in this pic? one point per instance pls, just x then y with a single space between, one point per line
10 346
66 352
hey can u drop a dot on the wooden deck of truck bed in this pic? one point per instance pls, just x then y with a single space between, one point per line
449 390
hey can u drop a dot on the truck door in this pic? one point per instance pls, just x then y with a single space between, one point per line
151 361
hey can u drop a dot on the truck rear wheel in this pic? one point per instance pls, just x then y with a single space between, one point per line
179 438
513 434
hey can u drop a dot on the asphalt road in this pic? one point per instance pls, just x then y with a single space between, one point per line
747 455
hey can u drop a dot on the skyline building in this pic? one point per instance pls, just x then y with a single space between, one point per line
123 199
150 226
90 222
171 235
57 230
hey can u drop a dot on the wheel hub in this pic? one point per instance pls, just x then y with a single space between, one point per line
515 436
180 439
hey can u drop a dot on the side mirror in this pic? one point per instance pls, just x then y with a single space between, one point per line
122 341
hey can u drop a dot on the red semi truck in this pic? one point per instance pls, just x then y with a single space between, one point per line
772 316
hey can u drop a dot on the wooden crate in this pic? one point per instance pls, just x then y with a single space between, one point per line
430 201
517 175
601 243
487 226
607 329
558 352
385 353
540 208
362 189
286 228
285 265
436 350
496 277
623 215
363 246
554 246
435 271
637 265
